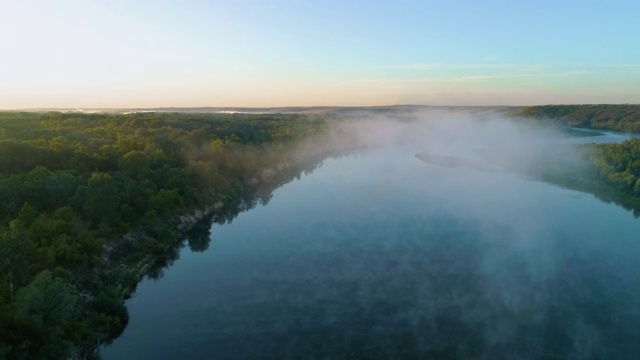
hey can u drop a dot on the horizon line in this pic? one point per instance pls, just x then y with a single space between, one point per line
80 109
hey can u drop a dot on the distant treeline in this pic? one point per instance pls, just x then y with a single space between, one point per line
73 185
615 168
609 117
609 171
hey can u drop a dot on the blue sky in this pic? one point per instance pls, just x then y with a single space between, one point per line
83 54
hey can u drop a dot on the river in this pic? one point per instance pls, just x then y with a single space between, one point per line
379 255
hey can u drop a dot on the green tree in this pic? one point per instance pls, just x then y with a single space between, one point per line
45 308
101 199
134 163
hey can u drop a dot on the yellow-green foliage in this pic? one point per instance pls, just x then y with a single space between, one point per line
619 164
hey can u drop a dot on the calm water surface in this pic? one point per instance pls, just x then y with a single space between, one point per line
380 255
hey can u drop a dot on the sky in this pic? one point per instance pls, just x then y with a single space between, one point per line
252 53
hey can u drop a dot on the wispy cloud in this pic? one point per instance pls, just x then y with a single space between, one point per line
442 67
518 76
541 68
605 66
491 58
395 82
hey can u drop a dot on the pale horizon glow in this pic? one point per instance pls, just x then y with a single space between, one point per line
250 53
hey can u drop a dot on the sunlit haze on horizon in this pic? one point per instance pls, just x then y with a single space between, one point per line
120 54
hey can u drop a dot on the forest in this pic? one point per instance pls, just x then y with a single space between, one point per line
91 203
606 117
613 170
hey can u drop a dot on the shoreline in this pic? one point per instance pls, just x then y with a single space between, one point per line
188 221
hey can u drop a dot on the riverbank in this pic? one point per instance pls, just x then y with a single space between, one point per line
95 202
196 222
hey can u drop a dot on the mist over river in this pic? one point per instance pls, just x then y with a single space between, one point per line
379 255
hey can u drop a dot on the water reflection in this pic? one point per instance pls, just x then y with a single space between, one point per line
198 236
